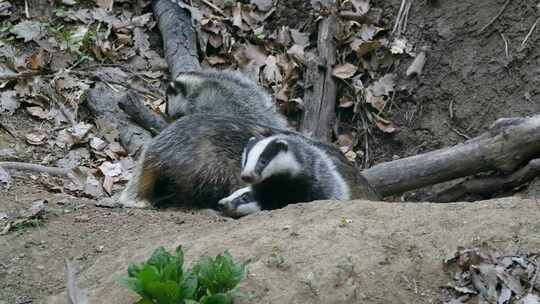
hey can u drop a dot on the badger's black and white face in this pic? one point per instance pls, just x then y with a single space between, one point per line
240 203
268 157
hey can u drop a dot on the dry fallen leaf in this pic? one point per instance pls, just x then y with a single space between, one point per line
35 138
29 30
400 46
386 127
361 6
345 102
5 179
38 112
106 4
344 71
384 85
271 73
8 102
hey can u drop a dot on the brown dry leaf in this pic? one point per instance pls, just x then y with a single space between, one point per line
105 4
363 48
386 127
38 60
113 173
36 138
237 15
38 112
344 71
345 102
216 60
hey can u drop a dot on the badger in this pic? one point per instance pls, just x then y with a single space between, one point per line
221 92
197 158
193 162
288 168
197 161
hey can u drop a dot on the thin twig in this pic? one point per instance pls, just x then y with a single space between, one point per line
398 17
496 17
533 281
214 7
21 75
458 132
505 45
26 10
36 168
530 33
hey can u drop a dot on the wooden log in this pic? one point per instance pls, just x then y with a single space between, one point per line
102 101
487 185
178 36
509 144
319 114
179 43
133 106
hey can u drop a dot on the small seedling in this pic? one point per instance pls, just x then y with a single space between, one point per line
162 279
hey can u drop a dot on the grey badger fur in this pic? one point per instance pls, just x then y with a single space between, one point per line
221 92
285 169
196 161
191 155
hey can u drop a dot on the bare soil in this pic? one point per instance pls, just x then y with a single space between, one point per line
388 253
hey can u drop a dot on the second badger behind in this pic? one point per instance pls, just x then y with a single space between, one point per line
288 168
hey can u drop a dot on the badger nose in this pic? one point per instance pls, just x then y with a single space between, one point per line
248 178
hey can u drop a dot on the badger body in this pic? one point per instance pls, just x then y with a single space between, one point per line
221 92
195 161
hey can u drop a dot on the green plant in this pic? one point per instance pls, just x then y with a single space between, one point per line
162 279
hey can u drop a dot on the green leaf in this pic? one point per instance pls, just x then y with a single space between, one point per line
218 275
164 292
188 287
132 284
220 298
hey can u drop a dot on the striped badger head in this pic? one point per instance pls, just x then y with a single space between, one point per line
267 157
240 203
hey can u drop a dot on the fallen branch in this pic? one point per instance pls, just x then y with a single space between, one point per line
505 147
103 103
21 75
487 185
320 92
179 42
141 114
36 168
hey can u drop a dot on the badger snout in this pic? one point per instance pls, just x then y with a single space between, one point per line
249 177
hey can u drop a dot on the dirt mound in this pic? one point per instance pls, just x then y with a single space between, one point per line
330 252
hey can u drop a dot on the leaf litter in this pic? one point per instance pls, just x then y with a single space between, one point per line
483 275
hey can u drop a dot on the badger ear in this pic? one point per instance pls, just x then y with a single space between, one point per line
185 83
282 145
